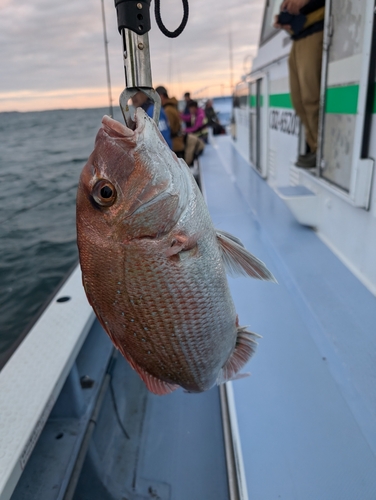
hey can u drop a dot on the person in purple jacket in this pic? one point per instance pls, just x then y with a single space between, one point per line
196 121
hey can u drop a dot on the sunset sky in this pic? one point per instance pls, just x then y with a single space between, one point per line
52 53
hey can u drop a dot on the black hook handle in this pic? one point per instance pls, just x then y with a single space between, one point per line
133 15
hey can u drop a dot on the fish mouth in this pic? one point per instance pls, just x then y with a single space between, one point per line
118 130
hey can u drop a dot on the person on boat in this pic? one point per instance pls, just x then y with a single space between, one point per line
213 120
141 100
170 107
304 20
196 121
187 98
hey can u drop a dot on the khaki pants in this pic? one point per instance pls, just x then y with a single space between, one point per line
193 148
305 76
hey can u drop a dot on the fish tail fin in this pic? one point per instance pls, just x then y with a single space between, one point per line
244 349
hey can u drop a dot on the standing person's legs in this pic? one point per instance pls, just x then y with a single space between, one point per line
309 57
295 91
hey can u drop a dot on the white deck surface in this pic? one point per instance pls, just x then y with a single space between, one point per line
32 379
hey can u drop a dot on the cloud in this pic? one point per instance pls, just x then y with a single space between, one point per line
56 48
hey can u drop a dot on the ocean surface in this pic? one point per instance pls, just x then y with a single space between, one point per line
41 158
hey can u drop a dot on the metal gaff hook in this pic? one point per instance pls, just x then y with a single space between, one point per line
128 93
134 24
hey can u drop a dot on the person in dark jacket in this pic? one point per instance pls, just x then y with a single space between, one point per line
170 106
187 98
304 20
213 120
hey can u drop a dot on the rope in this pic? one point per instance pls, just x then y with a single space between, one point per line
117 410
162 27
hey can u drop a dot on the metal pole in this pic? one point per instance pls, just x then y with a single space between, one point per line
320 160
231 60
234 460
111 111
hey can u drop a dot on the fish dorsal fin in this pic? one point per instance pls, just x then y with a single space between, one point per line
238 261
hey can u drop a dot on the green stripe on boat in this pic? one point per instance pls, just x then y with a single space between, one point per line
280 101
252 101
342 100
339 100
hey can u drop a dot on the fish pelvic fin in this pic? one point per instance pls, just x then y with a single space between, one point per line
238 261
153 384
244 349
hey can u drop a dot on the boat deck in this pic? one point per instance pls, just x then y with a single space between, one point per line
165 447
307 414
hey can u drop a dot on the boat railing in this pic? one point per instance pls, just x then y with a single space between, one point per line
32 379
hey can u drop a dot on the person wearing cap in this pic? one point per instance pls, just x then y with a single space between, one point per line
170 107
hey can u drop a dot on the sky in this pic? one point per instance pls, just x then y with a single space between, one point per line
52 53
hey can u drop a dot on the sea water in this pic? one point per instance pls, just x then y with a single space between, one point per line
41 158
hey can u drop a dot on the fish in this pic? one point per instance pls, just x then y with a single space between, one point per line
154 267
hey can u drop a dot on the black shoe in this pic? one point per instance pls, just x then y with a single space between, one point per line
306 161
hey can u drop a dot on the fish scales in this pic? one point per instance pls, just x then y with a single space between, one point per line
152 262
179 314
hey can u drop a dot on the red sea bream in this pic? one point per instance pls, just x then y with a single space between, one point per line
153 265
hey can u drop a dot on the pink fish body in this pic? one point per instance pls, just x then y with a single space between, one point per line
154 266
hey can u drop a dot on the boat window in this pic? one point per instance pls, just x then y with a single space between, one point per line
347 70
267 30
241 95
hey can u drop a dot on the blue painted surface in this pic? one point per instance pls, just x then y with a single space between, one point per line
175 450
295 191
307 414
48 470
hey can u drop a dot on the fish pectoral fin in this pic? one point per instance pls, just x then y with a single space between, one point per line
238 261
181 242
154 384
230 237
244 349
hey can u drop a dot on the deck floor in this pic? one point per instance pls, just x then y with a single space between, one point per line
175 448
307 413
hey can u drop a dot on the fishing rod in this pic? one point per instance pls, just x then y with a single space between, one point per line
134 24
107 60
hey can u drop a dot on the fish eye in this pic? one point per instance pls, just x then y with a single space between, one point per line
104 193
